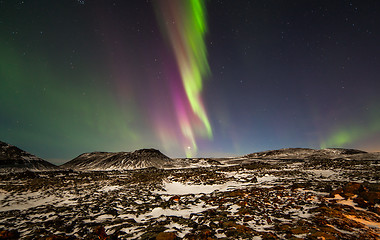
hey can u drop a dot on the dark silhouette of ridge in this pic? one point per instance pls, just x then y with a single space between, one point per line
142 158
13 158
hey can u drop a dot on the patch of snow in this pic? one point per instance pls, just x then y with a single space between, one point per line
266 178
3 194
257 238
234 208
174 225
313 192
337 197
239 175
104 217
220 235
339 230
109 188
302 236
261 228
178 188
27 200
297 213
370 224
323 173
127 216
67 200
185 213
348 202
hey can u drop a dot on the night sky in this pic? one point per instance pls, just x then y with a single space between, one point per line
190 78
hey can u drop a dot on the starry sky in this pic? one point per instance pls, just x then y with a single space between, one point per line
190 78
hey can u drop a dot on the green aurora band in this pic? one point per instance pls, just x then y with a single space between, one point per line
344 136
80 115
196 67
185 25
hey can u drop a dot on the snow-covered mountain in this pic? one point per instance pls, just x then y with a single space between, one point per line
13 158
142 158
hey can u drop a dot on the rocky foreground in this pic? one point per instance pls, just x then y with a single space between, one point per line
256 197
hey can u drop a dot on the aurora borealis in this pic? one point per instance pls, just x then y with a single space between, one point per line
185 24
191 78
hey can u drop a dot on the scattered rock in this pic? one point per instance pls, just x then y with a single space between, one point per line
12 234
166 236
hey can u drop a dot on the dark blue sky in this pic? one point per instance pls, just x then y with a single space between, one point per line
80 76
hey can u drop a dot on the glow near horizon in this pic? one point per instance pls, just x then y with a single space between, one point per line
352 133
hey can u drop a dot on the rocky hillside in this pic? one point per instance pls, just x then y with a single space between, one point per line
307 153
13 158
143 158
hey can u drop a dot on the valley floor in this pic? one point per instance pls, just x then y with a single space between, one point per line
253 199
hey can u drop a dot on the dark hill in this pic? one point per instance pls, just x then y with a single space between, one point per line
307 153
13 158
142 158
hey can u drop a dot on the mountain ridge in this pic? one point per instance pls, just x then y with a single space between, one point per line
301 153
13 158
142 158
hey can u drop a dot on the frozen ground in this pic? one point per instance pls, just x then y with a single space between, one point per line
250 199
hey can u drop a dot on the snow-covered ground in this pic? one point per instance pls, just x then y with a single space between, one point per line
258 200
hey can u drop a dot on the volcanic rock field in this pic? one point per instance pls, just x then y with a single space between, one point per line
290 194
